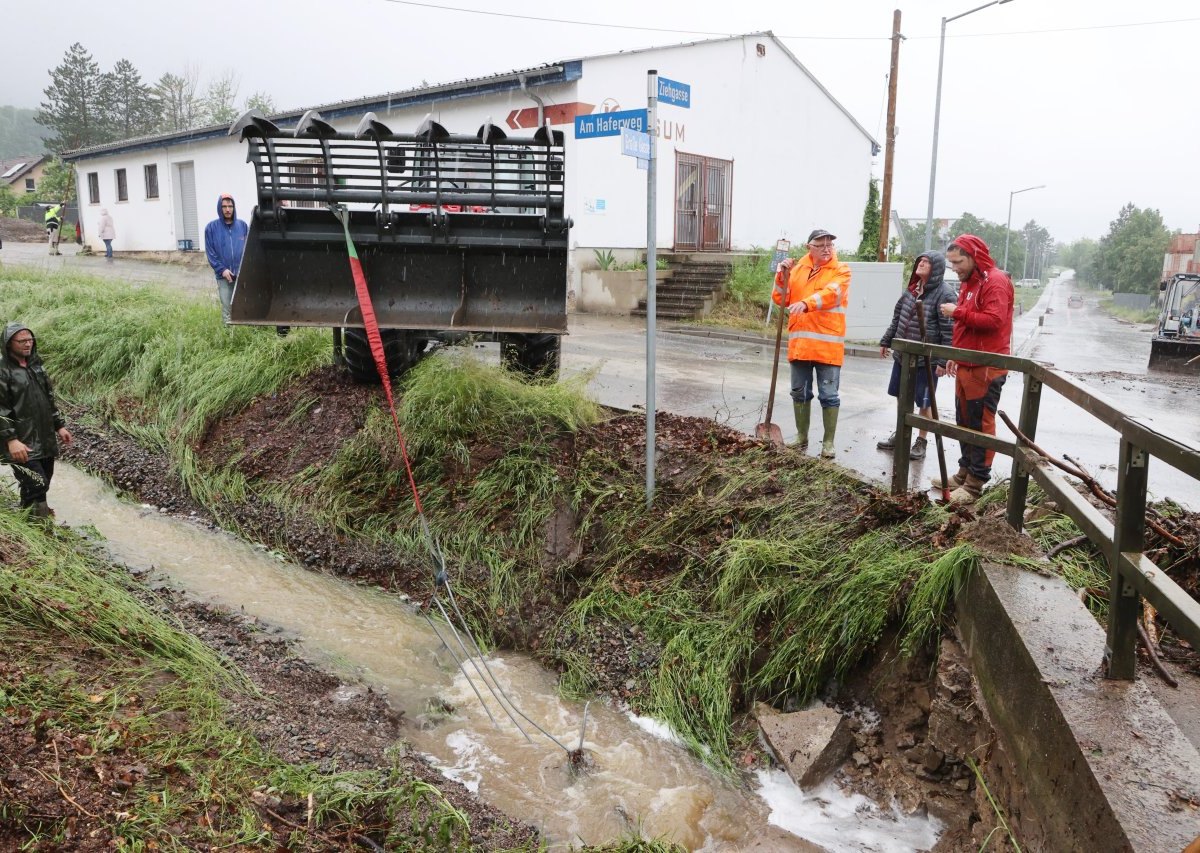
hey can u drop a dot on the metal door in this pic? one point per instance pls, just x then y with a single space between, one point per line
703 203
189 224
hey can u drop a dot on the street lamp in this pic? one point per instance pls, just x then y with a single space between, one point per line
937 112
1008 224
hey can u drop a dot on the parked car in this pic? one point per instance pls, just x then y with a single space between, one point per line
1075 301
1029 282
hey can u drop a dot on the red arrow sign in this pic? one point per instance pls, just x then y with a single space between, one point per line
555 114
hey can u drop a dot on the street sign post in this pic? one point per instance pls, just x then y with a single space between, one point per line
651 277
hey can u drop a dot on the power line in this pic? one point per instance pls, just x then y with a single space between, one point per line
676 31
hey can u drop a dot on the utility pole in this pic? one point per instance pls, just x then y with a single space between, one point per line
885 212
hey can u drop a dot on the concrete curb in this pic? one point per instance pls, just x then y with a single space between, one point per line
1096 764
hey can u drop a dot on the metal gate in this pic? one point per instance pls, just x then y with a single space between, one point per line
703 202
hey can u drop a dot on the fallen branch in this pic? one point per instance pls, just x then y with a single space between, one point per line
65 795
1075 471
1155 660
357 838
1065 544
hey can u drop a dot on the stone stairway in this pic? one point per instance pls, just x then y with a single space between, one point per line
693 288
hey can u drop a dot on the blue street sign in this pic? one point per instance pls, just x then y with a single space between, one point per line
671 92
635 144
609 124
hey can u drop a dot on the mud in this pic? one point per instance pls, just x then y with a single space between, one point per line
910 745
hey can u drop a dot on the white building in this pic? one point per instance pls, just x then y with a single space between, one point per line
763 151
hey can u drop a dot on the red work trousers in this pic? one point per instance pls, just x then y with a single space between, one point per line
976 398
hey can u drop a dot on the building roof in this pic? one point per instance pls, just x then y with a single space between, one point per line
13 168
541 75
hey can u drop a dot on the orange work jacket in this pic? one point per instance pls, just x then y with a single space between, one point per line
819 333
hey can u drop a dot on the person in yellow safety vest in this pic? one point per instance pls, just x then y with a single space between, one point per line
815 290
53 221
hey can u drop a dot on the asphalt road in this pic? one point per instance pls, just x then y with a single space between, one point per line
725 376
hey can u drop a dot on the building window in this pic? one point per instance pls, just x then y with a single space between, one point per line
122 186
93 187
151 174
29 185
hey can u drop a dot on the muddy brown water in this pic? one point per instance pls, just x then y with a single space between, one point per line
641 778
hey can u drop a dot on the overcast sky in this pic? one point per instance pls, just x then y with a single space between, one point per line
1094 98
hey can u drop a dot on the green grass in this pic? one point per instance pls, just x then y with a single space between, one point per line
753 576
152 696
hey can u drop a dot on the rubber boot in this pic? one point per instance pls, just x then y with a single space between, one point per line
829 418
803 415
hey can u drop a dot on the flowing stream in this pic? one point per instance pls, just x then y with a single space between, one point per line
641 778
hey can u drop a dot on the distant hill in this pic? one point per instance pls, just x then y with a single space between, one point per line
19 133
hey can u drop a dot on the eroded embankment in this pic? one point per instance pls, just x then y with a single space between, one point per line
757 575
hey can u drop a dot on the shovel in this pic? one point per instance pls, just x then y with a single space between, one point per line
937 437
767 429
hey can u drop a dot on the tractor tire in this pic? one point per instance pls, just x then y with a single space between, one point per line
401 349
535 357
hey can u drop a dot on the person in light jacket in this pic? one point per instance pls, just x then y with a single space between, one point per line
108 232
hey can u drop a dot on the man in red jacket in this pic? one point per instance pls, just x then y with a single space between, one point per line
982 321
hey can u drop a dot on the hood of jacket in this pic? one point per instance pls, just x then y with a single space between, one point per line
220 199
937 272
977 250
9 332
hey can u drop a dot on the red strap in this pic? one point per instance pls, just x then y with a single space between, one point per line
376 342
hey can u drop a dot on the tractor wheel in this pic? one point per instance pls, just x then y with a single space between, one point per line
401 349
534 356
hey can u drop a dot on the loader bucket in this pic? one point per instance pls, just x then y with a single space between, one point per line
456 234
1174 354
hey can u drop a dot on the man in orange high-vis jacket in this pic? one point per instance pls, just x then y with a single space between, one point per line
815 290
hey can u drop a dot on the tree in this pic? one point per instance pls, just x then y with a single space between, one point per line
8 202
262 102
1130 257
868 247
73 109
220 100
179 106
1081 257
131 108
57 183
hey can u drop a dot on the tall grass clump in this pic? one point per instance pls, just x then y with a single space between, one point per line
775 588
153 360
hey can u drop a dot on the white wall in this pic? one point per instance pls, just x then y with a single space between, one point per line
798 161
151 224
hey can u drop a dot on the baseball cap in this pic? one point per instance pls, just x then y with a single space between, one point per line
818 234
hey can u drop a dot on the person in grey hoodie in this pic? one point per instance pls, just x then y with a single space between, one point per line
31 428
927 289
